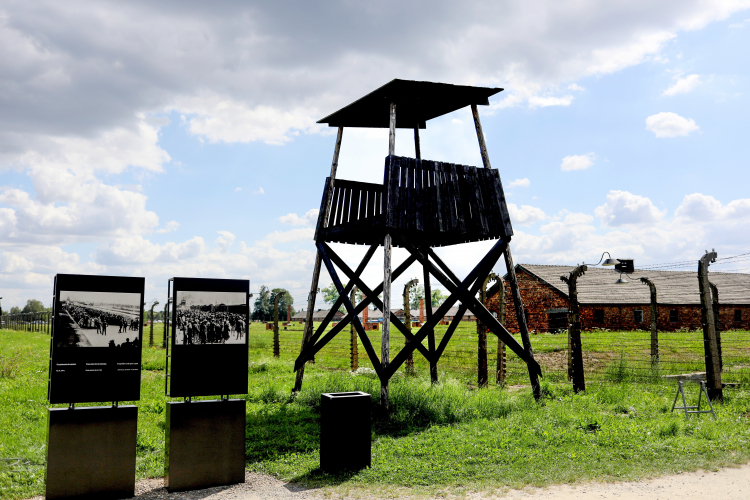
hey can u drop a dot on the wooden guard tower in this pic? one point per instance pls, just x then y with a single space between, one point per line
420 205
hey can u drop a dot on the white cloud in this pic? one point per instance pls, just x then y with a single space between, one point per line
300 234
172 225
260 190
309 219
84 85
543 102
704 208
520 183
683 85
577 162
224 241
526 215
220 119
237 189
575 86
741 25
666 124
624 208
136 250
636 229
102 211
271 70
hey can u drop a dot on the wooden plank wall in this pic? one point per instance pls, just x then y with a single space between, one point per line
354 201
438 197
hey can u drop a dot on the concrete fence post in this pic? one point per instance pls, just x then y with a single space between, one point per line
574 330
710 345
654 322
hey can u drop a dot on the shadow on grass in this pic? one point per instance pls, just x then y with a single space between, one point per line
287 430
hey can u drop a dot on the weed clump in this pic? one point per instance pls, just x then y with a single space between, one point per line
11 363
619 371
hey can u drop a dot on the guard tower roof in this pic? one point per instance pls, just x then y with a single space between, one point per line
416 102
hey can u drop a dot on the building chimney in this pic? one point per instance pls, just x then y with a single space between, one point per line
421 311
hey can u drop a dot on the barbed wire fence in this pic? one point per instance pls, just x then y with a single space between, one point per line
30 322
608 354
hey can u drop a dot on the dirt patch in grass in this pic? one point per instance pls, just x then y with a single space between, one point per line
558 361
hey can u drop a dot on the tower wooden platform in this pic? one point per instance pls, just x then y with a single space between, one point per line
421 204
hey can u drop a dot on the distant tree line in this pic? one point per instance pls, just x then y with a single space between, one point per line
331 295
263 306
32 306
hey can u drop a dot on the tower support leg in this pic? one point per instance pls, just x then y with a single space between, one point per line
522 324
386 338
316 269
431 333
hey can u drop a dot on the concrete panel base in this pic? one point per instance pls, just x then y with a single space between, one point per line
91 452
205 444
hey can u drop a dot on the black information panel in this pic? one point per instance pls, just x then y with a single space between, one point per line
96 339
209 337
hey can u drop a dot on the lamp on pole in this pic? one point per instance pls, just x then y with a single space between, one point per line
151 334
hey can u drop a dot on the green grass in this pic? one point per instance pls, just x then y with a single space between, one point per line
448 436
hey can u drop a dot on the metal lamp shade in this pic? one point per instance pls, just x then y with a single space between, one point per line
610 262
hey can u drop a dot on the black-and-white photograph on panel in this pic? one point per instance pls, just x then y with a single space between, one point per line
98 319
96 339
208 347
211 317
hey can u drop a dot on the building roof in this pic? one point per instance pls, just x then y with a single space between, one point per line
416 102
597 285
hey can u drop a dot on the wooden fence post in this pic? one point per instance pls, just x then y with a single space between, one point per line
407 320
276 341
574 329
482 376
502 368
353 348
654 322
710 347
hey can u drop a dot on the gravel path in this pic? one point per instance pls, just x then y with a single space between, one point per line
725 484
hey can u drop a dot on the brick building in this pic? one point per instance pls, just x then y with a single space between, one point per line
604 304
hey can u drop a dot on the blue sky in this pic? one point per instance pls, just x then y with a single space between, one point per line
176 140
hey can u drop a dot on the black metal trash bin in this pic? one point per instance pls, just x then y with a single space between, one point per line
345 431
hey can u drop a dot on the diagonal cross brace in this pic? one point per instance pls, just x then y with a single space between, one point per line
354 277
339 300
451 329
484 266
467 298
312 349
350 309
461 308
